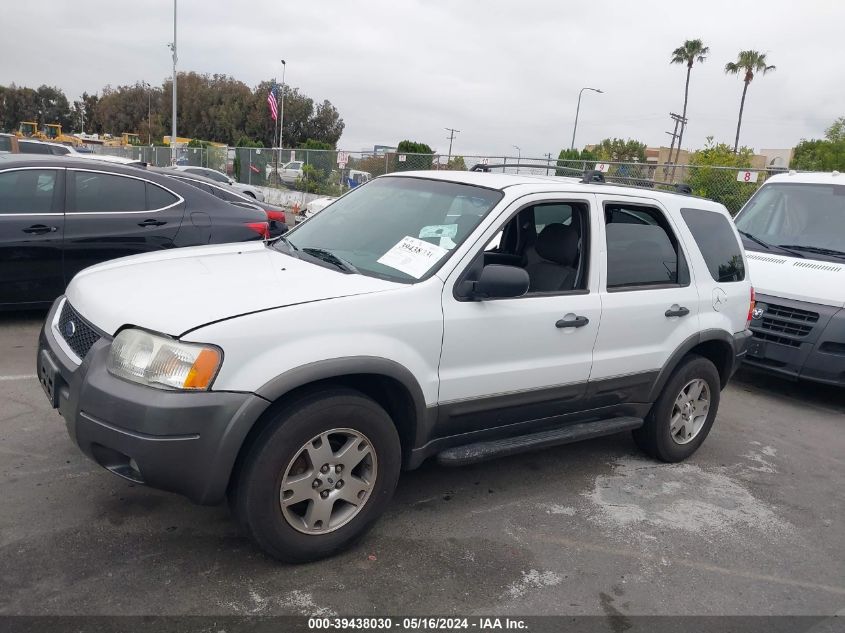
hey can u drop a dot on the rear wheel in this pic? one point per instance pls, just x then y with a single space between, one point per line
683 415
318 476
250 194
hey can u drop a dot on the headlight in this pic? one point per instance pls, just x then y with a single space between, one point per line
158 361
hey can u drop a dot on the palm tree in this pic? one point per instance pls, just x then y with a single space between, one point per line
747 62
689 53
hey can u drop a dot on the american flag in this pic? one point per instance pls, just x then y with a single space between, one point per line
273 102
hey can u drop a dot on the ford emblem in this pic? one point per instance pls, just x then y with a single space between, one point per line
70 329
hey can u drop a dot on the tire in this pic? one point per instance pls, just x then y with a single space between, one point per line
250 194
288 449
658 437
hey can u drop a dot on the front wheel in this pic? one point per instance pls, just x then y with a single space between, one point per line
684 413
318 476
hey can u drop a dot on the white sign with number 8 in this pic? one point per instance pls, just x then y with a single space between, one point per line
746 176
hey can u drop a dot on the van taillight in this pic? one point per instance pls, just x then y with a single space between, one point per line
262 228
751 308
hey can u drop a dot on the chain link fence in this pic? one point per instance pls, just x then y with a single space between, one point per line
331 172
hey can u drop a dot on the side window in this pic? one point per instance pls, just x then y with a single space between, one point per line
158 198
5 143
215 175
717 243
27 191
59 151
96 191
28 147
642 249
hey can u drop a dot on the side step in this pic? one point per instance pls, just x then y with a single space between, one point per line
482 451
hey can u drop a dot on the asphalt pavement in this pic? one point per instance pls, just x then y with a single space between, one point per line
751 524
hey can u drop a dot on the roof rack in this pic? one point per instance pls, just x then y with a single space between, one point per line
593 176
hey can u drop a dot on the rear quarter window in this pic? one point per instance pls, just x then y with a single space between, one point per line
717 242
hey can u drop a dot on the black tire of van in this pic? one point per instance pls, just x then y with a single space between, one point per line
655 437
255 496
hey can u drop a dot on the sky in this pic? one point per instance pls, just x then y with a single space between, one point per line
504 73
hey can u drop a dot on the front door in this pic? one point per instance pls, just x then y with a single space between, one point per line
112 215
31 228
522 359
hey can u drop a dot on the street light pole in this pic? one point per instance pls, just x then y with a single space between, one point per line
518 156
577 112
149 113
175 58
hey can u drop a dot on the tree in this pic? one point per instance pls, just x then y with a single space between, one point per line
457 164
692 51
617 150
422 156
822 155
836 132
710 175
747 63
573 162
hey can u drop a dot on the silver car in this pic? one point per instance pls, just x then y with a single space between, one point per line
219 176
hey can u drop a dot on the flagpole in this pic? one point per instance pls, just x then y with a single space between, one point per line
282 108
276 129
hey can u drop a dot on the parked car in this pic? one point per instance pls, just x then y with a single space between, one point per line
289 173
220 177
794 230
9 143
31 146
314 207
59 215
416 338
275 215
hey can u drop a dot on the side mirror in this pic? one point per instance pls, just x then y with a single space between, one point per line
500 282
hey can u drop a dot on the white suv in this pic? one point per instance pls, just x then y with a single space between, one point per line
462 315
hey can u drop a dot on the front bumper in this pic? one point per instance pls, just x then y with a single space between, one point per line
181 442
799 340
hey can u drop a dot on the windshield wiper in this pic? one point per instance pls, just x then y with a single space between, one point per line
284 240
754 238
768 246
815 249
331 258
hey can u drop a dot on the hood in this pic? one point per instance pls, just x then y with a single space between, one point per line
178 290
807 280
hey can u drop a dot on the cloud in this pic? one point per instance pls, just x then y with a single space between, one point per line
503 72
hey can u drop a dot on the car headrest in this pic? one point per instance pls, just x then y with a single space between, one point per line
558 243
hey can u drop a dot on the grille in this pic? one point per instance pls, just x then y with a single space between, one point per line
774 338
80 336
785 325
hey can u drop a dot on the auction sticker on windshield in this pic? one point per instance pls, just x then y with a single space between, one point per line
412 256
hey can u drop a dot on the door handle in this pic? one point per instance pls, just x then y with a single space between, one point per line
579 321
40 229
151 223
677 312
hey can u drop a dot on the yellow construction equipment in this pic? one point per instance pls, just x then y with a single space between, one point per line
53 132
29 129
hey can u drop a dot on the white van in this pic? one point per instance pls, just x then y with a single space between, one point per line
794 231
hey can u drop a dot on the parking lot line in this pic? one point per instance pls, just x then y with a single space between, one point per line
18 377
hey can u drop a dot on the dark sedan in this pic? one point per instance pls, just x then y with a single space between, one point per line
275 215
59 215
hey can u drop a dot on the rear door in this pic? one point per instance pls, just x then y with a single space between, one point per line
650 303
112 215
31 227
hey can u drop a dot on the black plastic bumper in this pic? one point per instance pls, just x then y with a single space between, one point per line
811 347
181 442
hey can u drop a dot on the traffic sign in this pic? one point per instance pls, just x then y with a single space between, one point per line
342 159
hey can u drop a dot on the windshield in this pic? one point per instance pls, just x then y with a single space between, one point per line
396 228
808 218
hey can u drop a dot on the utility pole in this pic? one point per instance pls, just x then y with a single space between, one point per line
282 110
149 112
175 58
518 156
452 133
679 120
548 161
